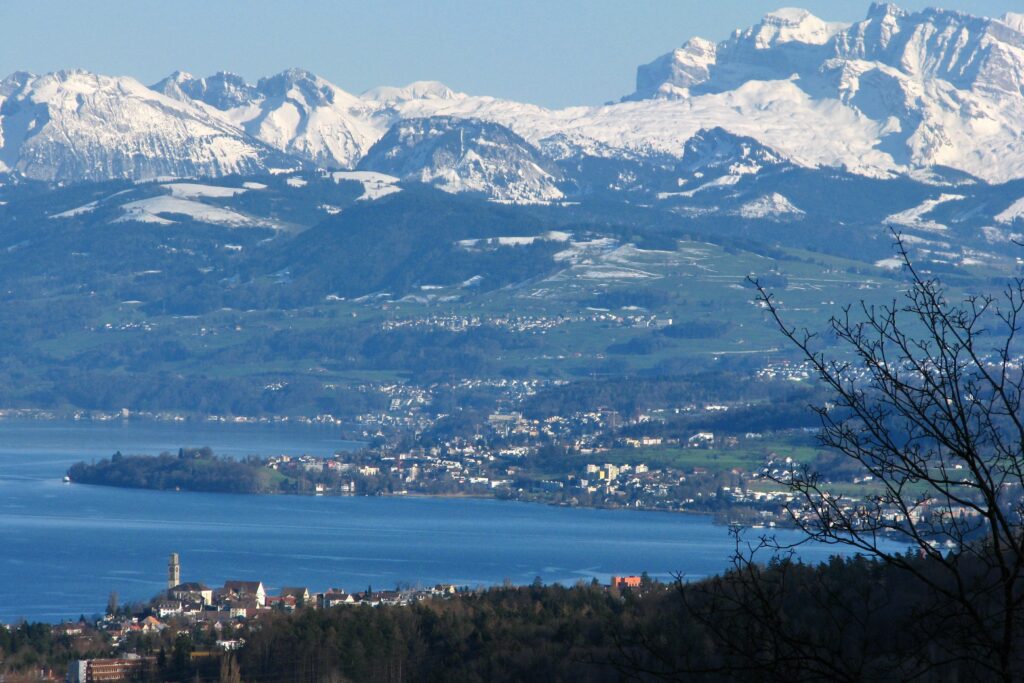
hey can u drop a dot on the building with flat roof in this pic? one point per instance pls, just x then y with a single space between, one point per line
95 670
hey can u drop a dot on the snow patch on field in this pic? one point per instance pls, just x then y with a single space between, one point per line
631 255
197 191
152 210
606 259
599 272
375 185
994 235
517 241
911 239
580 251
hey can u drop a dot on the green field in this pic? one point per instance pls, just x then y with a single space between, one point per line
750 456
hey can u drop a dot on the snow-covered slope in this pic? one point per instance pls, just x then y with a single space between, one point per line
465 155
74 125
1012 213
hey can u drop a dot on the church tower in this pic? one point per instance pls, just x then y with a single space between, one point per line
173 571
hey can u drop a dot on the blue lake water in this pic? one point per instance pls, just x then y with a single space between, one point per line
64 547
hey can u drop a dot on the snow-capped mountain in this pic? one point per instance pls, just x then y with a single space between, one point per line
295 112
715 173
717 152
929 88
74 125
419 90
900 92
787 41
465 155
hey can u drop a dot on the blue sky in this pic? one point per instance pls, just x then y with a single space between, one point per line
550 52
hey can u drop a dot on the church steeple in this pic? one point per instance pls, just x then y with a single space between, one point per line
173 571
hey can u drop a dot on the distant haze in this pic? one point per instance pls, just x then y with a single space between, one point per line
548 53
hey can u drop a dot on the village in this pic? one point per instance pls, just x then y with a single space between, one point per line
454 322
215 621
589 459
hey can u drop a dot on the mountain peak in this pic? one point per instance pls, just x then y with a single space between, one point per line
790 16
417 90
297 75
304 87
671 74
880 10
789 25
714 149
1014 20
15 82
465 155
223 90
179 76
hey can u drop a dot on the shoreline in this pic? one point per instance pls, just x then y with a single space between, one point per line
82 415
438 496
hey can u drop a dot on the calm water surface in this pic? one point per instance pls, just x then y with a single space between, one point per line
64 547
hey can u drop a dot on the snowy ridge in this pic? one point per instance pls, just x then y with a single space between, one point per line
916 217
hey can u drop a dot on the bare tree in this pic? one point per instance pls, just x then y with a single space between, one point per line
229 671
926 395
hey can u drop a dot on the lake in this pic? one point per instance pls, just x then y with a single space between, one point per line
65 547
